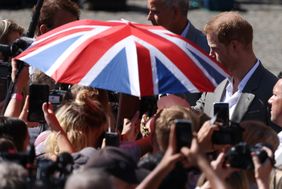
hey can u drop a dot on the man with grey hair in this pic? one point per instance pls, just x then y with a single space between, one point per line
12 175
172 15
88 179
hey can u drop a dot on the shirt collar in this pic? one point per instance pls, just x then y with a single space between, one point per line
244 81
186 29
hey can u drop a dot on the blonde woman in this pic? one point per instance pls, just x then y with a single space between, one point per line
83 122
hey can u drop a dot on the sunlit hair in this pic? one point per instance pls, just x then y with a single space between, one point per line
83 122
228 26
165 119
51 7
6 27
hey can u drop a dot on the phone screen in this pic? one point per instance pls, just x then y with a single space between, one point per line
38 94
184 130
221 111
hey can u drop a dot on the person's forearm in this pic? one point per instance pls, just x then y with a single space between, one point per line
212 177
14 107
263 183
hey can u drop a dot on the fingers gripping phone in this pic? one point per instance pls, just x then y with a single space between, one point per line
183 132
38 94
221 111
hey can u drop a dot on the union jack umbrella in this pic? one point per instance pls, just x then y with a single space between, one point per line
126 57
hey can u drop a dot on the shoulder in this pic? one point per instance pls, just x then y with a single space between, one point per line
198 37
266 76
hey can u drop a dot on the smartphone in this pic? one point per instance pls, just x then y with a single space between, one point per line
38 94
112 139
183 132
221 112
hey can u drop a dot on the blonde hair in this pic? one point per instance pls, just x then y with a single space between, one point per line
80 93
165 119
82 120
6 27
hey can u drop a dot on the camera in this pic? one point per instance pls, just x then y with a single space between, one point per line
5 78
43 173
231 134
239 156
53 174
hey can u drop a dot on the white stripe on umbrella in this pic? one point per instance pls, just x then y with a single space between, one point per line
66 30
103 62
61 59
47 46
170 66
180 43
132 64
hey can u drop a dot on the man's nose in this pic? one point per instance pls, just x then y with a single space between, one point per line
270 100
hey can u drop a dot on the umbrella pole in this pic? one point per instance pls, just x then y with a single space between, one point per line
128 106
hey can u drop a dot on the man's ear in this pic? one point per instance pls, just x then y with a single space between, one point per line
43 29
235 45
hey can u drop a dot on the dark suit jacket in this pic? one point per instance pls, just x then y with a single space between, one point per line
197 37
252 104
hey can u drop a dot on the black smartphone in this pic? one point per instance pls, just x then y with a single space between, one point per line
183 132
232 134
38 94
221 111
112 139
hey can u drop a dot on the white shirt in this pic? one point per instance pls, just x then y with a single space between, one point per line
233 98
278 152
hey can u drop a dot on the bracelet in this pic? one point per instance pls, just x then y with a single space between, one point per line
17 96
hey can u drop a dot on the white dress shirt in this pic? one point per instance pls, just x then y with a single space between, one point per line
278 152
233 98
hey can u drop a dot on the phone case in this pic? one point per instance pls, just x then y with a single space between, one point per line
38 94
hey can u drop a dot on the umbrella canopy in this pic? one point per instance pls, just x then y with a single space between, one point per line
126 57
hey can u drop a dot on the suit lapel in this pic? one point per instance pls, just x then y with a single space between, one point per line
215 97
242 106
247 95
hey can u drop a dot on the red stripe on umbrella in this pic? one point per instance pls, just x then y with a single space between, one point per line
146 85
178 56
81 56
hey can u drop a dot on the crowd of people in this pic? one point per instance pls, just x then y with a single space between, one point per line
100 139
